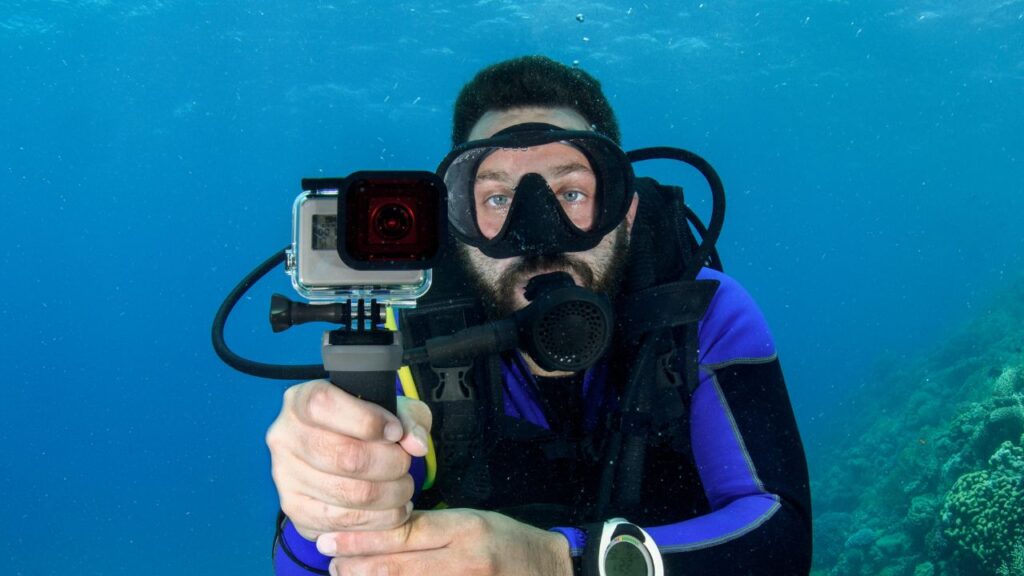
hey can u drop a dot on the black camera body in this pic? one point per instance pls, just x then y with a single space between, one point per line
371 235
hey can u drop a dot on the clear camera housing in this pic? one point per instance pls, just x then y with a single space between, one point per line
318 272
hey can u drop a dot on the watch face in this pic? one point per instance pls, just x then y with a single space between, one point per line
626 556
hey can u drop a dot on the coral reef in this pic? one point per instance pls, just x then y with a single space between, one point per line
1015 565
1001 423
1010 382
928 479
984 510
921 514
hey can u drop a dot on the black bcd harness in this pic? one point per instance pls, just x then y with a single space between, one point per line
492 461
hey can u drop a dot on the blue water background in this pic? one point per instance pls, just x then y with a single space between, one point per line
150 152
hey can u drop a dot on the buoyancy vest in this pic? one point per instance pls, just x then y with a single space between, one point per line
489 460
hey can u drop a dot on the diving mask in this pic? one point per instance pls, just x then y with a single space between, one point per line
536 189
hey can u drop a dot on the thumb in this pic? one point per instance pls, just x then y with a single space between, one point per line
416 421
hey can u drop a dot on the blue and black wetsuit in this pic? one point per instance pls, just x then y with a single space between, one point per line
737 503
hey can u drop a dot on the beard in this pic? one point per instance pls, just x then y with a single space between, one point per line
501 280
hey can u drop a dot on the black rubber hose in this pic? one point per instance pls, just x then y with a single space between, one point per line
714 261
253 368
613 455
634 448
466 344
717 190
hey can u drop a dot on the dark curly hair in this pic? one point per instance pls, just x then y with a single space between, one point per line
532 81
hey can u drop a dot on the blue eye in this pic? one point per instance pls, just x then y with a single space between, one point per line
497 201
573 196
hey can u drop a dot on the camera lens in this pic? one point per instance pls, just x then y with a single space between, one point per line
393 221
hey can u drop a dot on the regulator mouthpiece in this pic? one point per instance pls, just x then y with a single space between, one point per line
565 328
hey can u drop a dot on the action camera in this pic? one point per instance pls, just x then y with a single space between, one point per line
371 235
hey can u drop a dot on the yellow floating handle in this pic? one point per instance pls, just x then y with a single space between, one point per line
409 389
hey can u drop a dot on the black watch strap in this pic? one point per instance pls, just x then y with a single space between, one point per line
588 561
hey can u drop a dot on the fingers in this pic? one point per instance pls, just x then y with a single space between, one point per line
449 541
414 564
336 463
319 518
416 422
424 531
339 455
322 404
290 475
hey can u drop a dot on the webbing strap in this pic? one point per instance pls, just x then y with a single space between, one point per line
459 397
666 306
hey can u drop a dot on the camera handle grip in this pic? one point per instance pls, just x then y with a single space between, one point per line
377 387
364 364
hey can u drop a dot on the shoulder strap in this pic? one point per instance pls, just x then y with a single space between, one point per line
664 292
461 399
657 320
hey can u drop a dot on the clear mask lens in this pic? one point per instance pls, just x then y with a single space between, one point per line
536 189
496 174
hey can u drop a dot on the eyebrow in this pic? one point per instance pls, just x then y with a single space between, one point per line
556 172
496 175
570 167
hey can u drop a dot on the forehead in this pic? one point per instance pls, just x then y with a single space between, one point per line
556 156
494 121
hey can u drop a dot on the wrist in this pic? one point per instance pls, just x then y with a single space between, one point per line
561 552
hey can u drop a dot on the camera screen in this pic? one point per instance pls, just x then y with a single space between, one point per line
325 232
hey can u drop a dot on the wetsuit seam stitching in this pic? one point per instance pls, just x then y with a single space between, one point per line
710 368
736 434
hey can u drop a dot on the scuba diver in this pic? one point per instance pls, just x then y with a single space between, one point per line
673 451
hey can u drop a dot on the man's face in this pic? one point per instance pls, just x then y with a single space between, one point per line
567 171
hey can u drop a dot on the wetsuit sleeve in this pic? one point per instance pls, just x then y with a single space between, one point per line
748 453
295 556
